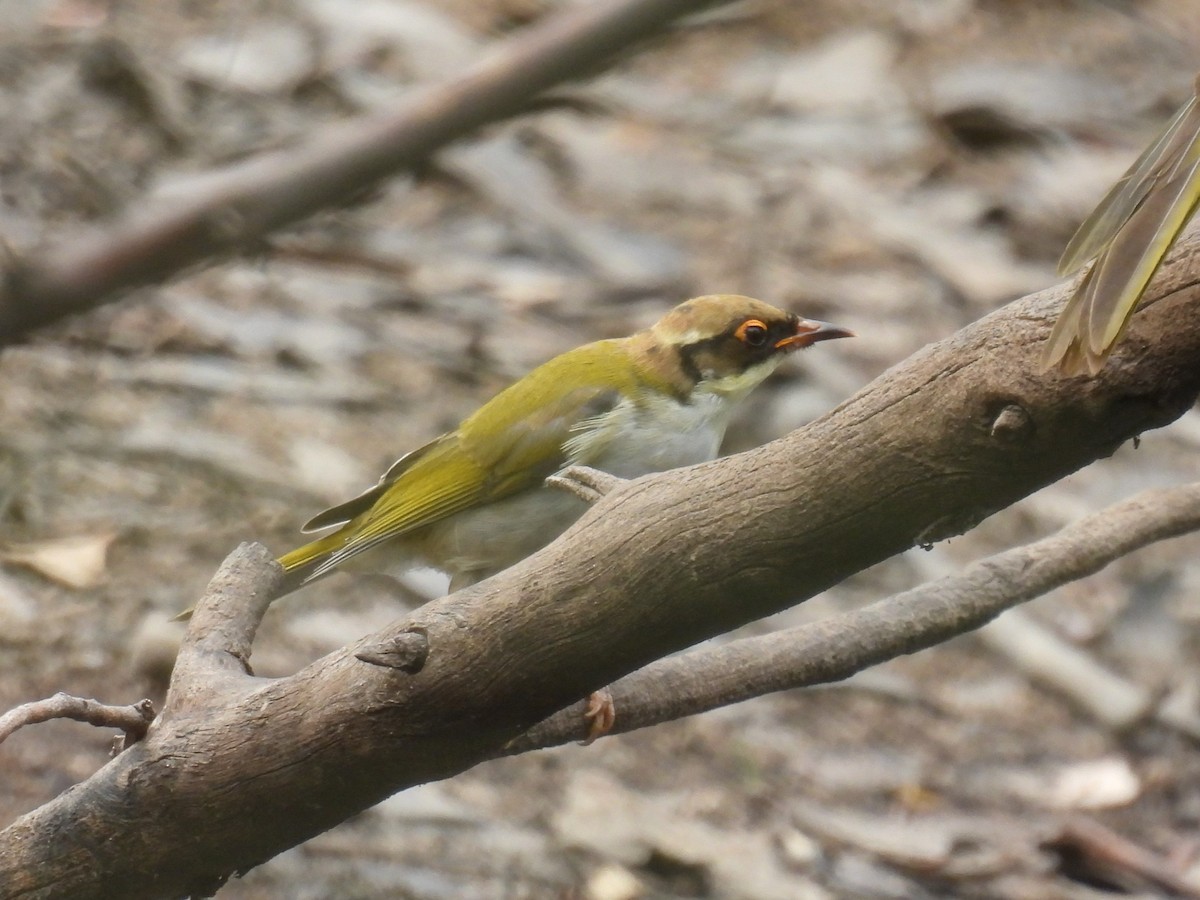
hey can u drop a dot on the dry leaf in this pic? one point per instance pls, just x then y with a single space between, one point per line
77 562
1095 784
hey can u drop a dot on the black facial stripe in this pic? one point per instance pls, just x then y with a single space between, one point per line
687 360
776 332
695 347
728 335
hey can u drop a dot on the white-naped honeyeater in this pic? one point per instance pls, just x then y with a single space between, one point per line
474 501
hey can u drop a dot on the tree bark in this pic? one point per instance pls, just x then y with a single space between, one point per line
238 769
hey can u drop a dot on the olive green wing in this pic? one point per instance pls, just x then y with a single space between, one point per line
1149 169
512 443
1128 234
344 512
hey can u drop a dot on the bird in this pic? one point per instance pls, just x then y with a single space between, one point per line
1127 235
475 500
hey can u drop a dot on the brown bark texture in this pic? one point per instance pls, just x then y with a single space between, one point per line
842 645
238 769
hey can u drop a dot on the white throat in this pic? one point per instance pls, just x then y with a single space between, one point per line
735 387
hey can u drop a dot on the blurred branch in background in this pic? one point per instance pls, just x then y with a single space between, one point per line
232 210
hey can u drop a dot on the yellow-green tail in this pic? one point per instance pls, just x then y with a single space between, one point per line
298 565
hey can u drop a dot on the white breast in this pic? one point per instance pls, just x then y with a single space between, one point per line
630 440
655 434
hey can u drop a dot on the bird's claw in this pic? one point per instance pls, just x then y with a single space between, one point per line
586 483
601 714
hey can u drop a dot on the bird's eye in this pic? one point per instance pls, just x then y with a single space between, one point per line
752 332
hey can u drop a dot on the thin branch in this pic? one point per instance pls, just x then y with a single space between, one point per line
1064 667
134 719
234 209
1094 851
842 645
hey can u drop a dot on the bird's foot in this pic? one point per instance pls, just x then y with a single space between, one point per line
601 713
586 483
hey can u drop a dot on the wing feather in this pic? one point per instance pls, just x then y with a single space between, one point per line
344 512
1133 256
1129 235
493 454
1155 163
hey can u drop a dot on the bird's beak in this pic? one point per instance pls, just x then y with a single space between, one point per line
809 331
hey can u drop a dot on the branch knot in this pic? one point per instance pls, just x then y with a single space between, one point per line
406 651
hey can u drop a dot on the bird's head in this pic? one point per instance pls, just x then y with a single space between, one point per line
728 344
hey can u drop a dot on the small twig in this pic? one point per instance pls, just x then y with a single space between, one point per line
1090 849
133 720
836 648
586 483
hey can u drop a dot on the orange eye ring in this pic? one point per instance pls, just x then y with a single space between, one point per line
752 332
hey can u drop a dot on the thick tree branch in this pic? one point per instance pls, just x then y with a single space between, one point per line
963 428
840 646
233 209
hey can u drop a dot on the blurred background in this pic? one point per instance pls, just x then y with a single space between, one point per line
900 167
